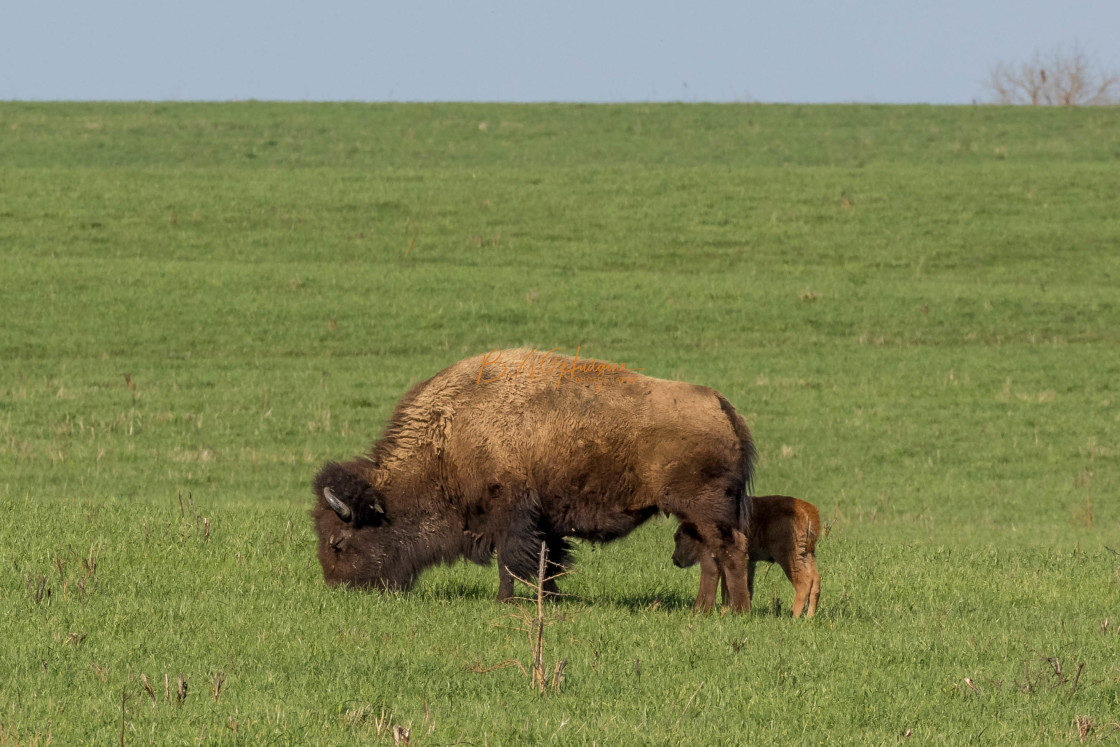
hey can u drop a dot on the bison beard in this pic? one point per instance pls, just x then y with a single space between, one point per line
472 464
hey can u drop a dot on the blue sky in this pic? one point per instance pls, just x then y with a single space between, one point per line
423 50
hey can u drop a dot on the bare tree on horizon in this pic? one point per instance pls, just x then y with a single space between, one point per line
1063 77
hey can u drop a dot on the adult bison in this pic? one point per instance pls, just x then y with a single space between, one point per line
502 451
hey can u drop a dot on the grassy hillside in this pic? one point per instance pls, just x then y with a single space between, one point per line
917 310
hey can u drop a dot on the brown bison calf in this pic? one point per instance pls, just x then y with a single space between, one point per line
782 530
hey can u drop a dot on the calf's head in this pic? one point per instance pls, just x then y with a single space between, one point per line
687 545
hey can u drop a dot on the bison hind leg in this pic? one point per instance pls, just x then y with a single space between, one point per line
519 557
519 546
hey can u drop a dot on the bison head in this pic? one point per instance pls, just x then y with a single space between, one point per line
359 544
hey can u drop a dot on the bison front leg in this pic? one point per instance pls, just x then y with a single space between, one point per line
505 581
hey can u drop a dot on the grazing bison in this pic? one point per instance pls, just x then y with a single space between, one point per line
782 530
502 451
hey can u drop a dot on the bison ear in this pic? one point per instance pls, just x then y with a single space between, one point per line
349 495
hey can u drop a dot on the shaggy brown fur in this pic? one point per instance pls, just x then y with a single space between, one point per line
500 452
783 530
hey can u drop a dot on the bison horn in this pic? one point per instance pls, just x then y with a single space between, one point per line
339 507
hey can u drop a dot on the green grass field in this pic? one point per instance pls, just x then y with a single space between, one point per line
916 309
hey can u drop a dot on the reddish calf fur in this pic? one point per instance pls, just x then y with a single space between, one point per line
782 530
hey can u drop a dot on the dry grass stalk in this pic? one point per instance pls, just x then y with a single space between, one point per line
1057 666
148 688
479 668
1076 677
538 643
686 705
558 674
412 243
124 699
216 685
1083 725
38 589
181 694
11 737
535 626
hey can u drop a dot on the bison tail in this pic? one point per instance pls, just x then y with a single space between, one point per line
748 454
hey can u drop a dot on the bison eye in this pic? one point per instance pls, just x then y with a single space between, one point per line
335 543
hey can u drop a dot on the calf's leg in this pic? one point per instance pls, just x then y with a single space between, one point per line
815 579
802 586
710 576
802 573
732 555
